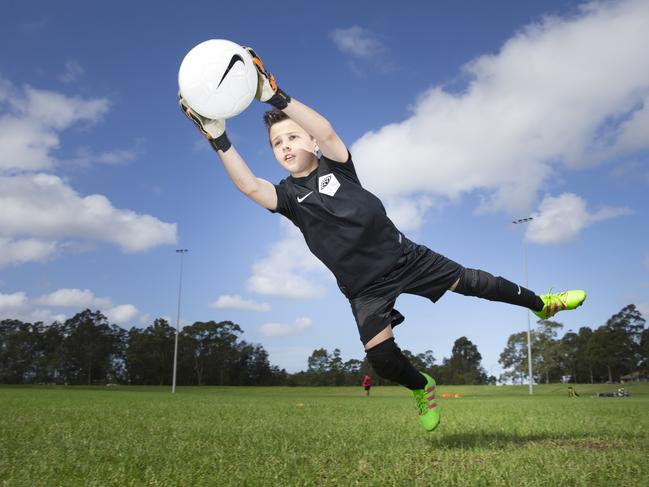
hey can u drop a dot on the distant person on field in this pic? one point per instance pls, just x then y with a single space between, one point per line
367 384
621 392
348 229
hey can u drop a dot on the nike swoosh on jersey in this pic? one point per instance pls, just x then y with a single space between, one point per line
300 200
235 59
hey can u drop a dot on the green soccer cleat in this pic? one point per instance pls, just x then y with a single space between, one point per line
553 303
427 407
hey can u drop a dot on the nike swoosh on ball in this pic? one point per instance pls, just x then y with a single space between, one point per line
235 59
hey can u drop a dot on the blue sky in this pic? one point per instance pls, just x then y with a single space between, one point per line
461 116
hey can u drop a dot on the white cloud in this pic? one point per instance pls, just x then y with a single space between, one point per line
19 251
644 309
237 302
41 213
122 314
86 156
73 71
44 206
73 298
280 329
31 123
559 96
408 213
560 219
364 49
29 129
19 306
288 270
357 41
12 301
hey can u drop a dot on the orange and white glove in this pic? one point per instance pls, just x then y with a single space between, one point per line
212 129
267 89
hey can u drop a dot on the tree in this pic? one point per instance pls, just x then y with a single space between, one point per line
213 350
318 366
260 372
584 359
18 351
600 350
336 369
644 351
568 353
614 348
546 350
352 371
427 360
626 328
149 354
514 357
90 348
463 367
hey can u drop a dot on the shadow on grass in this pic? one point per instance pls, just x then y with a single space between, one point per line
508 440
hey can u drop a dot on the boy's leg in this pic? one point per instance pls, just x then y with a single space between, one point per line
481 284
474 282
388 361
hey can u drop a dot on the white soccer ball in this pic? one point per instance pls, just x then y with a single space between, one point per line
218 79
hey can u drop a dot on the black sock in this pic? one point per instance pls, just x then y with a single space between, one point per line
481 284
511 293
388 362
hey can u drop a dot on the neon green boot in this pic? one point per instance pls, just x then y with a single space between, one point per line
427 407
553 303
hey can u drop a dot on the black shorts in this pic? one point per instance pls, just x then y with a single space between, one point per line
418 271
367 388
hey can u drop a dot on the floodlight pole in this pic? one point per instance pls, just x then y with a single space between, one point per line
180 288
527 313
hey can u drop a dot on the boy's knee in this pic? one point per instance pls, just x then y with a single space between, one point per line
385 359
475 282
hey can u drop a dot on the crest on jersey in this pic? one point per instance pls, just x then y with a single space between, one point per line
328 184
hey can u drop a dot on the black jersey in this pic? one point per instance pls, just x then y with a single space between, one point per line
344 225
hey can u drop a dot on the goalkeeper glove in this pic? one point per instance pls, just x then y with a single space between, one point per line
213 130
267 89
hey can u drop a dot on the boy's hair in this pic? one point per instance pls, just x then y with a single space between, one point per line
273 116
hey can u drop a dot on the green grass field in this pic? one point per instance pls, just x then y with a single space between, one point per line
257 436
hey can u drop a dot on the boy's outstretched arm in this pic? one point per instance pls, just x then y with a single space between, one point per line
259 190
315 124
331 146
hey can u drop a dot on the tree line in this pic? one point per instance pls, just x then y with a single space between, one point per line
619 347
87 349
328 369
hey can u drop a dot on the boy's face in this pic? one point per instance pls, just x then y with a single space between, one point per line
294 149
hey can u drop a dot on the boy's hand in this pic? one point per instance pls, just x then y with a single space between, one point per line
267 89
213 130
210 128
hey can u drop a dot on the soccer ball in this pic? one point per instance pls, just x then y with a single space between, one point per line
218 79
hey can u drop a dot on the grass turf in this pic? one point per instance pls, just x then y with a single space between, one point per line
258 436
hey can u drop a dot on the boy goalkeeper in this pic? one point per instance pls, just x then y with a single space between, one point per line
346 227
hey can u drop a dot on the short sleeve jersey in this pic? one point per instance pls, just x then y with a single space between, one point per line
344 225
